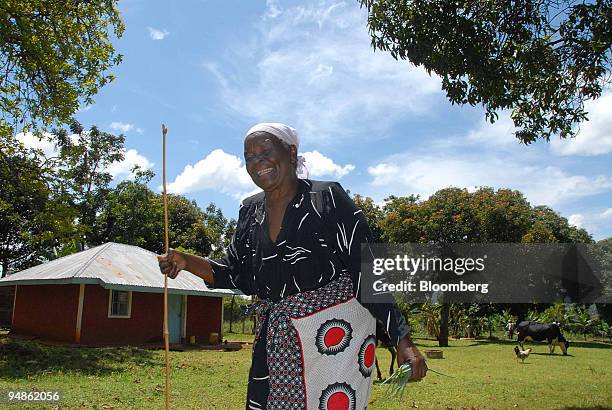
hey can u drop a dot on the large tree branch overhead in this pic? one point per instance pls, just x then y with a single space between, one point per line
54 56
539 59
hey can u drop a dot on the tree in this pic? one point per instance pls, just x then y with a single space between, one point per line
558 227
133 214
49 205
219 228
54 56
188 225
34 215
400 220
541 59
82 163
580 320
455 215
504 215
602 253
373 214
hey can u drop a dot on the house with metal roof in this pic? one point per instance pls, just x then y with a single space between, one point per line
112 295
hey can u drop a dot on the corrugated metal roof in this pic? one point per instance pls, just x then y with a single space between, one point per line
113 266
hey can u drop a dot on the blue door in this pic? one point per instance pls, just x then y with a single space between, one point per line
175 318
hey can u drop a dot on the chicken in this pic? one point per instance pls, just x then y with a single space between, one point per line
521 354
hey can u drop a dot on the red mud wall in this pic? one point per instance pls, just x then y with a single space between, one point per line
203 317
46 311
145 325
50 312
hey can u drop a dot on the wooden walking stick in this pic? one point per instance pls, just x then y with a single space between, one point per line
166 247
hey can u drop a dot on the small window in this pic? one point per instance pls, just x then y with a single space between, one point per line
120 303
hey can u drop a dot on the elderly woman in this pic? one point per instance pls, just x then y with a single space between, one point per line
297 247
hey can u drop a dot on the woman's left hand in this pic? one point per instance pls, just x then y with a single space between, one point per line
408 352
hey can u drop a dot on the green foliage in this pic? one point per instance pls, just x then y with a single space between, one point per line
227 235
558 227
411 312
482 216
505 317
601 254
34 214
50 204
82 165
501 317
554 313
467 320
397 382
133 214
401 220
220 230
580 320
186 224
456 215
602 329
430 317
373 214
52 207
54 56
541 59
534 316
234 309
503 215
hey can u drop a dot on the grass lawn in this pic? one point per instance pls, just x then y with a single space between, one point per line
486 375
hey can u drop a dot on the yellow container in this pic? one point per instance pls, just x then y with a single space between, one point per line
192 340
213 338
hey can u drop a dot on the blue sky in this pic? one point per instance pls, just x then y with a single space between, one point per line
210 70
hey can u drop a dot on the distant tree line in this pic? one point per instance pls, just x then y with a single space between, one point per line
455 215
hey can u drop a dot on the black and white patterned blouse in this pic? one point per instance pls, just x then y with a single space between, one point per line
320 238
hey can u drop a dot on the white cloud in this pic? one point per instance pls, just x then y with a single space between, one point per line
595 137
157 34
499 134
131 158
226 173
593 220
121 126
489 155
272 9
319 165
425 174
313 67
576 220
219 171
45 144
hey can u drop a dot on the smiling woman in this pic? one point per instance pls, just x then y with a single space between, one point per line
297 246
269 160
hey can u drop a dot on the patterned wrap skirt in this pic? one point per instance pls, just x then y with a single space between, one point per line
318 352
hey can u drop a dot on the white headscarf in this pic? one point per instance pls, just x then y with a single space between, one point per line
286 134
